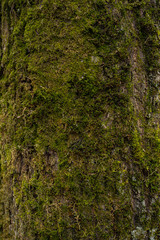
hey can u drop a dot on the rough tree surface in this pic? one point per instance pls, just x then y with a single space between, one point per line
79 120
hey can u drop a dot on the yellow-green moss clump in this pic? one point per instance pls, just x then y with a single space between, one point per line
79 123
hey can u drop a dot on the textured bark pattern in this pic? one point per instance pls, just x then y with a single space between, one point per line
79 120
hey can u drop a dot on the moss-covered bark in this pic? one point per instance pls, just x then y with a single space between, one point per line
79 121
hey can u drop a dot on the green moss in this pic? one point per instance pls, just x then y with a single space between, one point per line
75 149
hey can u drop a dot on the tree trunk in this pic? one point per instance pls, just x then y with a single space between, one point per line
79 120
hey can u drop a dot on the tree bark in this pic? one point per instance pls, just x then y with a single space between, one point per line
79 120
